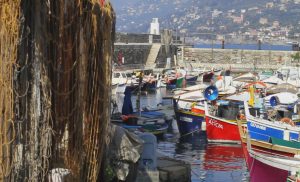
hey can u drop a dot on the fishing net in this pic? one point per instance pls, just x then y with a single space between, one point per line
55 71
9 28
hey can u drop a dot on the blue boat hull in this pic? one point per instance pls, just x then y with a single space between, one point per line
151 86
264 132
192 79
170 86
188 123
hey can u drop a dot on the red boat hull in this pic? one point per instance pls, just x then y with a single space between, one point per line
260 172
219 130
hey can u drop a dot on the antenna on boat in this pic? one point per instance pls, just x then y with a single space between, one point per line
139 92
246 107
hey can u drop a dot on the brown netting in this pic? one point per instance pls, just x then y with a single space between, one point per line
55 103
9 28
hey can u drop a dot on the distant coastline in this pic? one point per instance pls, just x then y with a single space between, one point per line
247 46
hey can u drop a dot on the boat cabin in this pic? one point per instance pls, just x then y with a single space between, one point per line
227 109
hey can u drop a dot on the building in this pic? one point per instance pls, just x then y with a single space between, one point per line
263 21
269 5
154 26
275 24
284 1
215 13
238 19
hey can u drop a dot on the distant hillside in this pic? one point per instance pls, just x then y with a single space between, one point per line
219 16
136 15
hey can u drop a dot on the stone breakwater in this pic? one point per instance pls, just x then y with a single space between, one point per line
136 55
237 59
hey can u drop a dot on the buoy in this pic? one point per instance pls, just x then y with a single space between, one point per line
287 121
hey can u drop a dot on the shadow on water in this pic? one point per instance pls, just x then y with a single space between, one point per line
209 162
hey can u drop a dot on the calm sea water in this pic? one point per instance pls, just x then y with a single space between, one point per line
209 162
247 46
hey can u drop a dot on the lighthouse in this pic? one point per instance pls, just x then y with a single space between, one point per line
154 27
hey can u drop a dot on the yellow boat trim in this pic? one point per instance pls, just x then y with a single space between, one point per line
191 113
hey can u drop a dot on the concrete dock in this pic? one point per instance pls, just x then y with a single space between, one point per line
172 170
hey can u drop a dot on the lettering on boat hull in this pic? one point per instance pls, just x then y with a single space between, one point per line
215 123
254 125
186 119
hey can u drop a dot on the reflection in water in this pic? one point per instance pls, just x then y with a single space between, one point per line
209 162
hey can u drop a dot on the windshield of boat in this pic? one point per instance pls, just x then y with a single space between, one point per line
228 110
117 75
123 75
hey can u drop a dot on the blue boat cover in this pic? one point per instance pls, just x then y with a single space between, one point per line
151 114
127 104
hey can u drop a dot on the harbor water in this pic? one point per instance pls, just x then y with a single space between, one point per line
209 162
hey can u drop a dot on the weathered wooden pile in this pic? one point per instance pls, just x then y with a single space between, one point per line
55 70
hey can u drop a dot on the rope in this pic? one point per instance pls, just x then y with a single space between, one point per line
192 132
9 12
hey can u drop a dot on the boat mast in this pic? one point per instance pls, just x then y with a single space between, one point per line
139 92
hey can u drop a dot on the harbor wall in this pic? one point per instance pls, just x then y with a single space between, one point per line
136 55
237 58
137 38
145 38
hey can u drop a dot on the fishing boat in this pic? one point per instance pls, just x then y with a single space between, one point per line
150 82
150 85
265 74
174 78
145 121
121 80
114 87
276 124
271 147
220 115
285 74
207 77
189 106
173 82
156 126
266 160
221 123
189 111
191 78
157 129
180 82
217 71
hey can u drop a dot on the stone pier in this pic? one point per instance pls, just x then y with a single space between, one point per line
237 58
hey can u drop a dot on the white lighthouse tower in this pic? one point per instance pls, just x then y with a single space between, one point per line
154 27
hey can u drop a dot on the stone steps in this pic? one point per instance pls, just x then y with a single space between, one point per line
150 63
